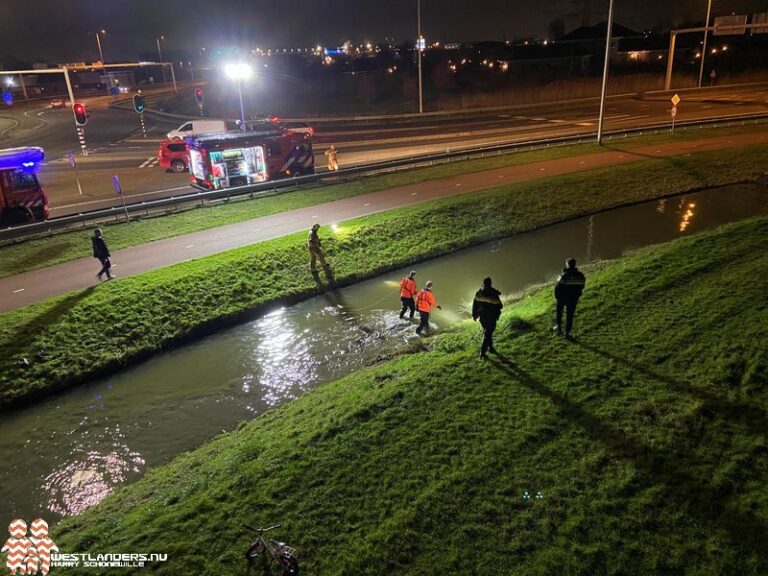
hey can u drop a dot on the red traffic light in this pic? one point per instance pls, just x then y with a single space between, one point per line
199 95
81 116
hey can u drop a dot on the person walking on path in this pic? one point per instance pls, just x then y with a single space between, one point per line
315 250
333 158
487 306
407 294
101 252
568 288
425 301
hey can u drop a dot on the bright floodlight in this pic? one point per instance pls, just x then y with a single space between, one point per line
9 82
238 71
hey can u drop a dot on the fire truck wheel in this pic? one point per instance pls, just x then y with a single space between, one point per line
18 215
178 166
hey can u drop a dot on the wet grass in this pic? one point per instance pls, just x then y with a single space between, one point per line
645 437
66 340
63 247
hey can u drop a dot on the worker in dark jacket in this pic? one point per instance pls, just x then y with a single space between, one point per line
101 252
407 294
568 289
487 306
315 251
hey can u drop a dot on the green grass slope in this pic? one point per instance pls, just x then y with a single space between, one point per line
66 340
646 438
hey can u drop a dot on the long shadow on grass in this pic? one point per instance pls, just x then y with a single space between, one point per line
749 415
747 532
679 163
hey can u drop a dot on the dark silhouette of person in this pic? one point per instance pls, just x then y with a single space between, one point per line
101 252
568 289
487 306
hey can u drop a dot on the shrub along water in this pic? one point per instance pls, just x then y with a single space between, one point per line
68 339
641 445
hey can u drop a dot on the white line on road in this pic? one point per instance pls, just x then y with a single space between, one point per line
147 162
191 246
19 290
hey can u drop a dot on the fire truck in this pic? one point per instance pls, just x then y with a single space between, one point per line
264 152
22 199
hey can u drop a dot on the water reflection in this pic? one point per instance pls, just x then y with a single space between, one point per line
65 454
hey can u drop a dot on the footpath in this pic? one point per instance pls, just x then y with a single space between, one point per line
37 285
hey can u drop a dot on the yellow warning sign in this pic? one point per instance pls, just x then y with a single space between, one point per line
675 100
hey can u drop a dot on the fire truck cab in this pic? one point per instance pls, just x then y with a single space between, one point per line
269 151
22 199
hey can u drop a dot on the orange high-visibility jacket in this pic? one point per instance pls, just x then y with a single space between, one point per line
425 300
407 287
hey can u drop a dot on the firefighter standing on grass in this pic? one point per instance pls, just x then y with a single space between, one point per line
407 293
315 251
487 306
425 301
568 289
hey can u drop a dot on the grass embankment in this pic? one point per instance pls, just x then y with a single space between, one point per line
81 335
646 438
63 247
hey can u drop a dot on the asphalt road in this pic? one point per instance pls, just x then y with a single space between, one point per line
29 287
117 147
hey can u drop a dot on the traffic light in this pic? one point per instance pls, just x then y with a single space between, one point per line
81 117
138 103
199 96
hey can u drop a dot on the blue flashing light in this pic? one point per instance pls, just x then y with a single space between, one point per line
333 51
27 158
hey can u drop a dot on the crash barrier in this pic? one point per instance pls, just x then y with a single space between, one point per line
174 203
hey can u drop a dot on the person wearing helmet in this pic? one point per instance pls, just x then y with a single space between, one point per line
487 306
568 288
315 250
407 294
425 301
333 161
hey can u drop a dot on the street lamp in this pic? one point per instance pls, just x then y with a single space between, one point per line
100 33
239 71
704 47
160 54
419 44
604 88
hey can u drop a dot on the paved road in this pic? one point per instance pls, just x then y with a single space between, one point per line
117 147
37 285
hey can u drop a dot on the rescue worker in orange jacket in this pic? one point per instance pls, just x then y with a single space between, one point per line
407 294
425 301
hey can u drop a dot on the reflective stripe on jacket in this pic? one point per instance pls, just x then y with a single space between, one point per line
407 288
570 284
425 300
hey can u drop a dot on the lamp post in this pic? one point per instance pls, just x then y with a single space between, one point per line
98 43
419 50
704 47
160 54
239 71
605 74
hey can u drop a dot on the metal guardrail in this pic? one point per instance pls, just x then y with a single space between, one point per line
25 231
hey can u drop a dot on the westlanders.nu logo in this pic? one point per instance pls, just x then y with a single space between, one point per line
28 555
36 553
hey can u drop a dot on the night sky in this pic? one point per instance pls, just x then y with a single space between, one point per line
58 30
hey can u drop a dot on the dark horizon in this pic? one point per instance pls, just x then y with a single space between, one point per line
61 31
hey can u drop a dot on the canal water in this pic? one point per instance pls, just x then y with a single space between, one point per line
65 454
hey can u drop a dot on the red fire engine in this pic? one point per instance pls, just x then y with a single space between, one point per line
22 199
266 152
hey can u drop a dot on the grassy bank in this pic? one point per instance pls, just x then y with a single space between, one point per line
71 338
646 438
34 254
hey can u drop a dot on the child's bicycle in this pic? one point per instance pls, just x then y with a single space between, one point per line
262 550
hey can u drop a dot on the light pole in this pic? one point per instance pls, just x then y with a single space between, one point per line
239 71
160 54
605 73
98 43
704 47
419 49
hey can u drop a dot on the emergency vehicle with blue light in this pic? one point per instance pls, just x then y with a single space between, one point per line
22 199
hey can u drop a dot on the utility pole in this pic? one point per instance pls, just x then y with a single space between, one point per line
160 54
605 73
418 48
704 47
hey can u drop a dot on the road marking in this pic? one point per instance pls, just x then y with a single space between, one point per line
191 246
149 162
541 169
502 176
459 184
558 121
582 162
413 193
367 204
19 290
585 123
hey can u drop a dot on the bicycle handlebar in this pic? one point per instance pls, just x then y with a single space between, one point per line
261 530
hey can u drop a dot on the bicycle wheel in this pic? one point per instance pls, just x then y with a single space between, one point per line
253 553
289 564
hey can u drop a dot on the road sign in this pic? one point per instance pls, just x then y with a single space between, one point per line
673 111
116 184
71 158
675 100
734 24
760 18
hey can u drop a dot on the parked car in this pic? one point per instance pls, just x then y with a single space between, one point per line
196 127
57 103
174 156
